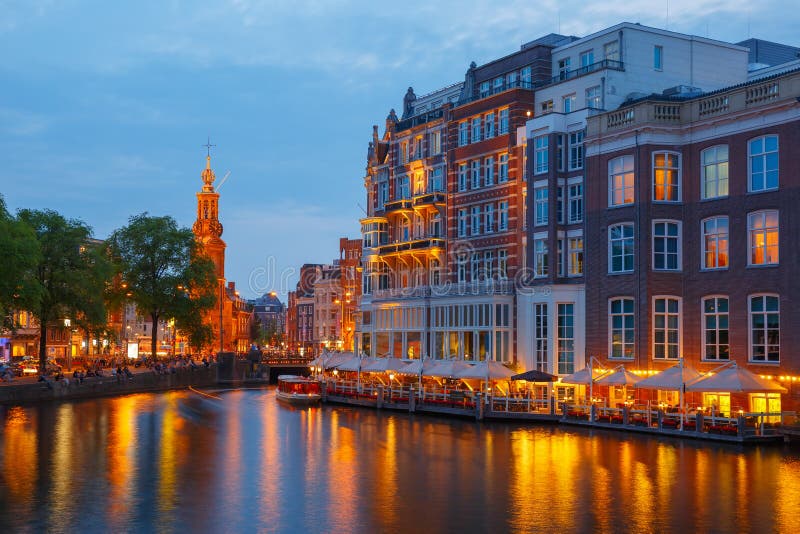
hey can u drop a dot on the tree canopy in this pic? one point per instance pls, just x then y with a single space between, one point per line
66 275
163 271
21 255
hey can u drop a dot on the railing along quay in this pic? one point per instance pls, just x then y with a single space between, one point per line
744 428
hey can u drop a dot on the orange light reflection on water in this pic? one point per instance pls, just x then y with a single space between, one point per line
343 475
20 442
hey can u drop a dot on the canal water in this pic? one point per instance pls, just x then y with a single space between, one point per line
180 461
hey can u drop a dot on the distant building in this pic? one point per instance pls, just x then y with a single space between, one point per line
270 312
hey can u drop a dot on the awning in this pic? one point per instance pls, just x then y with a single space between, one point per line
736 379
486 370
672 378
534 375
353 363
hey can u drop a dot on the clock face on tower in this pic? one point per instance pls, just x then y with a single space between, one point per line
215 228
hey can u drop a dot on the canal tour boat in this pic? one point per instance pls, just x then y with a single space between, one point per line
298 390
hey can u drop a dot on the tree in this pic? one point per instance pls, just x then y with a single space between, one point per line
19 288
164 272
65 273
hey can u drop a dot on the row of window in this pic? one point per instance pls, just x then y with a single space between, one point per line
481 265
483 127
520 78
569 261
667 324
541 152
419 147
571 207
483 219
474 175
593 100
763 231
762 173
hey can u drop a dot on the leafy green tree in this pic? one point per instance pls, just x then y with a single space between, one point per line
92 316
65 272
164 272
20 256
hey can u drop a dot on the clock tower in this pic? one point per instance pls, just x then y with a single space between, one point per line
207 228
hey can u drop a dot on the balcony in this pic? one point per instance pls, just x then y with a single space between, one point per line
422 118
434 198
448 289
403 204
412 246
583 71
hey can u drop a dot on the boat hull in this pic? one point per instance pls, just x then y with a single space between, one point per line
298 399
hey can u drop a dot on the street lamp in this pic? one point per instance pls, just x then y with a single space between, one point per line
67 324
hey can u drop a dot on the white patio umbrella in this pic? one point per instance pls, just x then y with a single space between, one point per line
486 370
448 369
380 365
586 376
735 379
674 378
351 364
620 377
335 360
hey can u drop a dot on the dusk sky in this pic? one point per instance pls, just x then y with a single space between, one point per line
105 106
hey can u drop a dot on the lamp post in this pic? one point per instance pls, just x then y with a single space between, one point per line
67 324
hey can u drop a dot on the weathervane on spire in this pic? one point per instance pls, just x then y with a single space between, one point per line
208 146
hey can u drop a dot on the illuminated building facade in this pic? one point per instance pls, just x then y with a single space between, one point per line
691 233
231 318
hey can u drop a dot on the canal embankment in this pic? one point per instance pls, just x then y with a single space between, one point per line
105 386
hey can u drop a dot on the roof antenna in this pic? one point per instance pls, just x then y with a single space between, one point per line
558 14
667 26
362 208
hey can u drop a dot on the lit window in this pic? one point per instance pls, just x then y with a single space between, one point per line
575 245
566 338
621 328
620 248
666 177
666 328
765 320
714 172
666 246
540 333
620 181
715 329
762 228
763 152
715 243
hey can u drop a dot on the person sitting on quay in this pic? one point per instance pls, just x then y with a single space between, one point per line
128 374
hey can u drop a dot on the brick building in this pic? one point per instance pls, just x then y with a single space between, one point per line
692 234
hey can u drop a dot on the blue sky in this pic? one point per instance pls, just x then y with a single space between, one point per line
104 106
